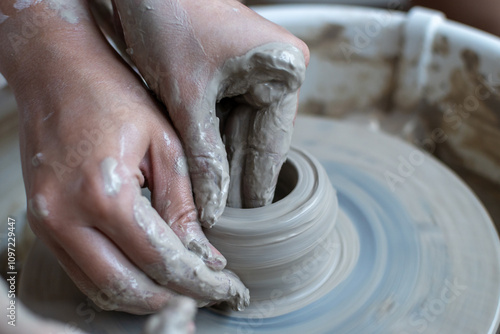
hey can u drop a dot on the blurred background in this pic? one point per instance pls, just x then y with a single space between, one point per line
482 14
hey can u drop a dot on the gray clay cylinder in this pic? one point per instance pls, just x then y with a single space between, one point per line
270 247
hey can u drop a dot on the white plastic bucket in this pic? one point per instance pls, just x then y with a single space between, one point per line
434 81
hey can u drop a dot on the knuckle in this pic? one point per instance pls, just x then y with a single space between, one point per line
263 154
105 299
184 220
116 296
93 198
124 295
154 305
90 185
40 205
302 46
207 165
97 204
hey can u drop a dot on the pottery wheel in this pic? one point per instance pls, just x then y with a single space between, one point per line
428 261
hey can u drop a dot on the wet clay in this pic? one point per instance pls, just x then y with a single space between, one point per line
289 253
267 78
38 206
184 271
23 4
283 70
3 17
111 180
69 11
181 166
37 159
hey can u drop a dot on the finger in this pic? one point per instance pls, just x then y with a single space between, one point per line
167 261
269 142
236 140
172 197
176 318
106 276
280 69
91 260
180 75
207 160
146 239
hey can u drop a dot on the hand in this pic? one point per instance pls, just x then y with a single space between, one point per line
219 58
91 137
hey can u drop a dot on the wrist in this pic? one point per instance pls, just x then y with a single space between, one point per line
38 38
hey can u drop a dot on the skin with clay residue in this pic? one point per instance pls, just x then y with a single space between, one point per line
3 17
214 76
67 10
181 166
166 138
23 4
38 206
183 271
111 180
123 289
37 159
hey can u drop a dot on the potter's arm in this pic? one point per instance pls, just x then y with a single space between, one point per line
91 137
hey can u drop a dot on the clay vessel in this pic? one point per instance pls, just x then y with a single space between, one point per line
286 251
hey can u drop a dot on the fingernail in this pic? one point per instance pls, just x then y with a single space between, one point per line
199 249
208 215
218 263
244 300
212 259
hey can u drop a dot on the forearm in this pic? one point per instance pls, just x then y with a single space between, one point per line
43 37
56 66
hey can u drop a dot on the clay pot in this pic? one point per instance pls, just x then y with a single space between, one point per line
284 251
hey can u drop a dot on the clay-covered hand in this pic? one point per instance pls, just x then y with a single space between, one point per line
219 58
91 137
